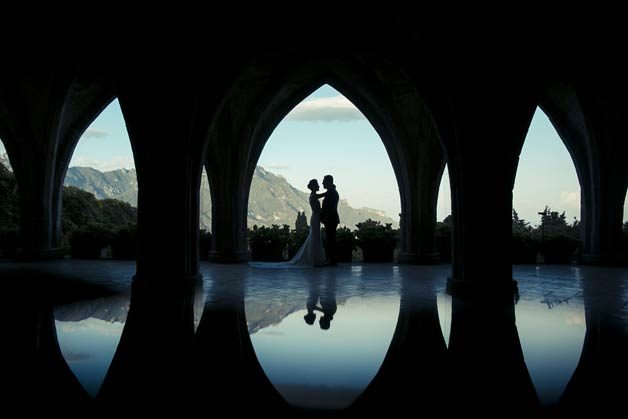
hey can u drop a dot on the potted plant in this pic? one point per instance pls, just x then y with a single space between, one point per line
9 242
376 240
204 244
87 242
268 243
124 242
346 244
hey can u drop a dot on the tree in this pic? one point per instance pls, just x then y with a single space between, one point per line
9 202
519 225
560 241
524 245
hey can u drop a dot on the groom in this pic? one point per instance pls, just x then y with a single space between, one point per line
330 219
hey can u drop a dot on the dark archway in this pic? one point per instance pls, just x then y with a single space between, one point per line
99 216
547 184
594 145
9 207
42 117
324 134
264 95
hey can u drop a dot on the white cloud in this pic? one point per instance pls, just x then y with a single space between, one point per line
571 199
575 319
117 162
95 133
336 108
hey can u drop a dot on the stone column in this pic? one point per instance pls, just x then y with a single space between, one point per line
487 129
167 146
229 228
31 111
418 220
42 117
603 224
226 170
590 121
606 111
166 131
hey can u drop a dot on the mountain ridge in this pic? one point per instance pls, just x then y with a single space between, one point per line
272 199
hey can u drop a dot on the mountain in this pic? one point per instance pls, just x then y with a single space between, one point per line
272 199
4 160
260 313
275 201
118 184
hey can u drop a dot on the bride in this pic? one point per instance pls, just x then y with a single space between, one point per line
311 252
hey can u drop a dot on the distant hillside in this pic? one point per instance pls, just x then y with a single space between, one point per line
259 313
118 184
272 199
4 160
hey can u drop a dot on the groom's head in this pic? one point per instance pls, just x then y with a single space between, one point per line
328 181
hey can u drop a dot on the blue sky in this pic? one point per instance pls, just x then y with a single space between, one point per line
326 134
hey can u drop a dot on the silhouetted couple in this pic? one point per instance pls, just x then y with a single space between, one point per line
327 304
311 252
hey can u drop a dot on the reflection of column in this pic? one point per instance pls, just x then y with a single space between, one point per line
226 370
599 382
488 369
415 370
152 361
34 371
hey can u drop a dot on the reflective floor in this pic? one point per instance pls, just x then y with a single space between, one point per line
352 338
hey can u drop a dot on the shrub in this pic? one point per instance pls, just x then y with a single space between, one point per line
268 243
346 244
296 240
88 242
377 241
9 242
124 242
524 248
443 239
559 249
204 244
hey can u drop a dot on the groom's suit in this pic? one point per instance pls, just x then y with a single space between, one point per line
330 219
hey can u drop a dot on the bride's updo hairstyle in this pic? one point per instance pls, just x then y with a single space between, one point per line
312 184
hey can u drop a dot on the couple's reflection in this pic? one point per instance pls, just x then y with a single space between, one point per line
323 299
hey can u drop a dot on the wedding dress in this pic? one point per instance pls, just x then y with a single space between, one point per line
311 252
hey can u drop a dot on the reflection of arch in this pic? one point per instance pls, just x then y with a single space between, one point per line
388 98
598 382
415 370
227 367
486 358
34 370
